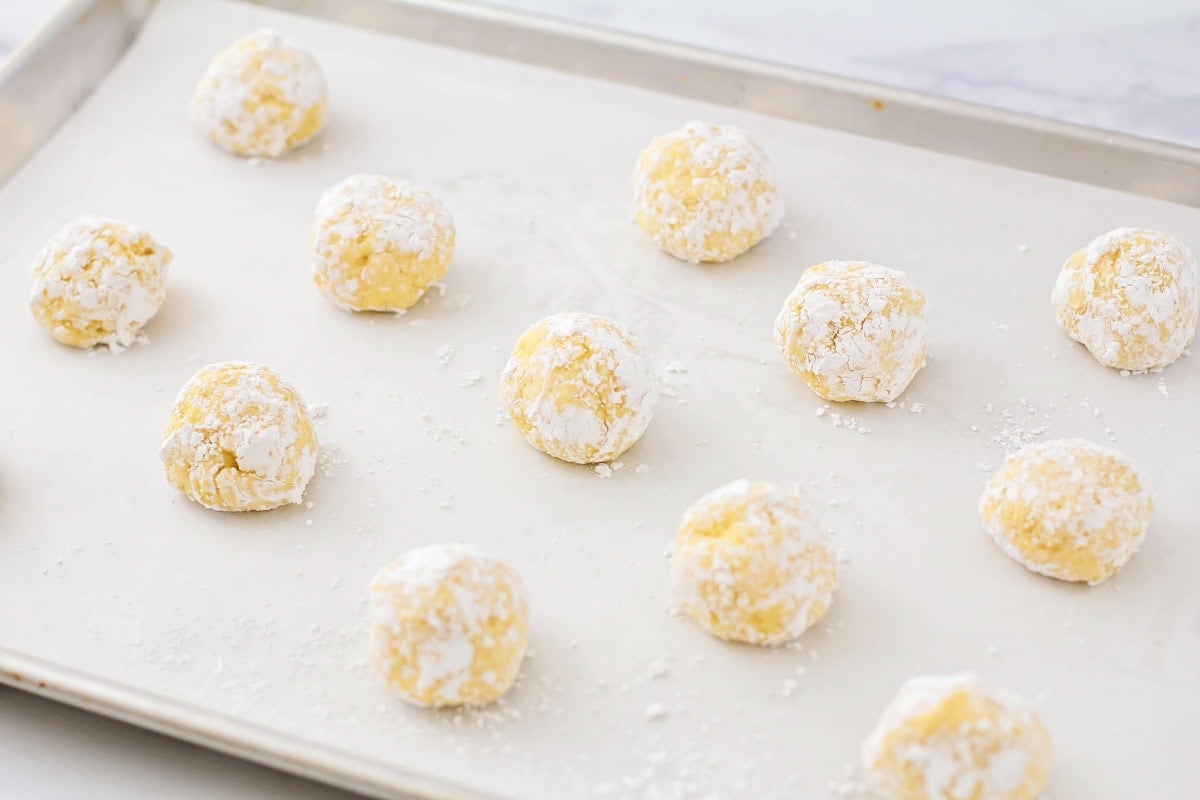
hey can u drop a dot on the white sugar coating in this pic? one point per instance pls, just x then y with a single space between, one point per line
239 438
449 625
853 331
953 738
379 245
1067 508
752 564
1132 297
261 96
579 387
98 282
706 193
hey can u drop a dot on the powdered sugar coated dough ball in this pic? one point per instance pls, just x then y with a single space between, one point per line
449 626
706 193
1131 297
752 565
853 331
953 738
579 387
379 245
98 282
262 96
1068 509
239 439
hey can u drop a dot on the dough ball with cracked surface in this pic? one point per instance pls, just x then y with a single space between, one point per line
98 282
952 737
1067 508
262 96
751 564
379 245
853 331
449 626
239 438
579 387
706 193
1131 297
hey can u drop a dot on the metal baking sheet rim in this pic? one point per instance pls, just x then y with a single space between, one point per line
47 97
37 93
221 733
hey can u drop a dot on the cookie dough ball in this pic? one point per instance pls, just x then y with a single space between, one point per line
99 282
579 387
1131 297
1067 508
449 626
379 245
239 439
705 193
853 331
262 96
952 738
752 565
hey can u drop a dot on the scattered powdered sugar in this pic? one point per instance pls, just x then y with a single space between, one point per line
1013 428
330 460
439 432
608 470
837 420
853 786
656 711
687 772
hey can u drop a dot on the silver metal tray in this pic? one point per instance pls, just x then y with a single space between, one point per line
58 67
44 83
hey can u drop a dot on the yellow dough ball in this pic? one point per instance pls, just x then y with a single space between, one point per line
705 193
752 565
239 439
579 387
99 282
1068 509
379 245
853 331
1131 297
262 96
449 626
950 737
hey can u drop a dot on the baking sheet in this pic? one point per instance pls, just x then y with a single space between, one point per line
103 569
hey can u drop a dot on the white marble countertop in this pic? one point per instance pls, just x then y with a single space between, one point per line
1116 64
1129 67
